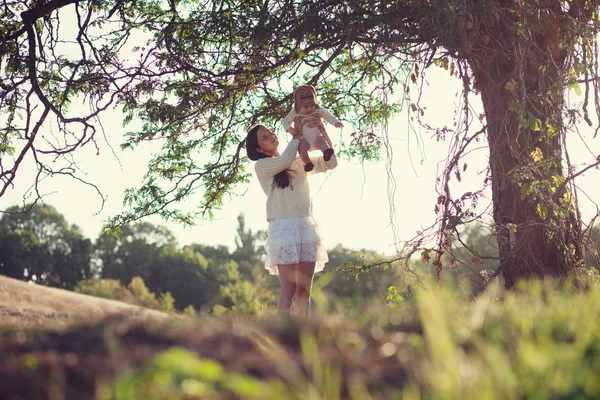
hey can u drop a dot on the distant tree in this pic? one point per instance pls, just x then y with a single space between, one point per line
356 286
248 245
135 252
215 254
198 275
22 256
193 275
185 274
44 247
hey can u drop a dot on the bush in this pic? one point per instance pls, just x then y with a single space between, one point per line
189 310
536 341
105 288
135 293
166 302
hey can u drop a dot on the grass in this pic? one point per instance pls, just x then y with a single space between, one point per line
535 342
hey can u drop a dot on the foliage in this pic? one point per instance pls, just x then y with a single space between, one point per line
135 252
105 288
393 298
214 280
189 310
178 373
166 302
151 252
135 293
244 297
40 246
141 295
194 84
535 341
21 255
355 285
202 73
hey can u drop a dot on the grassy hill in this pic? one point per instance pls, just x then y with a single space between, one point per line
63 345
536 342
24 305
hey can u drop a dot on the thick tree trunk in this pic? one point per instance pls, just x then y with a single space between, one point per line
532 243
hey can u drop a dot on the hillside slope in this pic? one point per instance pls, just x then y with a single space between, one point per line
25 305
63 345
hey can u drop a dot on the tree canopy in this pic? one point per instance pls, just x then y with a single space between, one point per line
196 75
40 246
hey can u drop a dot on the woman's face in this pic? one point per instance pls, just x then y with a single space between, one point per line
267 141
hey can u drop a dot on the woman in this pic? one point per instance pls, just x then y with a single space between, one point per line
295 250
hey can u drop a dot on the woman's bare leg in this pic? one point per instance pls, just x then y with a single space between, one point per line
287 277
304 278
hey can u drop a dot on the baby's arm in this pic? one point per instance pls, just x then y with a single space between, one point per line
330 118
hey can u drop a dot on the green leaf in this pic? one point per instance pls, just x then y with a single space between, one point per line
524 190
542 210
511 85
515 107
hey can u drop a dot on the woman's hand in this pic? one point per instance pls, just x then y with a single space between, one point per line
296 134
312 121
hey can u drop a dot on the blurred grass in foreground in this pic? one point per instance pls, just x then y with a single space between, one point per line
536 342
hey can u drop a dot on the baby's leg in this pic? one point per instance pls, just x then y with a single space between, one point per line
303 148
324 147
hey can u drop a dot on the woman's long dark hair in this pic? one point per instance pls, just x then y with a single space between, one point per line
281 179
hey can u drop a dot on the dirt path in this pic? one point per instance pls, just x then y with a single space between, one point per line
24 305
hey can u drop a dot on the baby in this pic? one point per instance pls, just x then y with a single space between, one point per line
305 105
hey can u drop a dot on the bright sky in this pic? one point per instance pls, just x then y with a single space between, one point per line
350 203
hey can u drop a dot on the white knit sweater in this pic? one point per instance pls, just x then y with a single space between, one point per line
294 200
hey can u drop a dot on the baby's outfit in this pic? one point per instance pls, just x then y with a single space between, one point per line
308 133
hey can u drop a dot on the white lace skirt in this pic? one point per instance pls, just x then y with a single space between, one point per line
291 240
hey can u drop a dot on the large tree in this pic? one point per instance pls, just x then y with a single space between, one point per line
202 72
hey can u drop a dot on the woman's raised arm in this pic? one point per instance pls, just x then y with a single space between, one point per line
268 167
